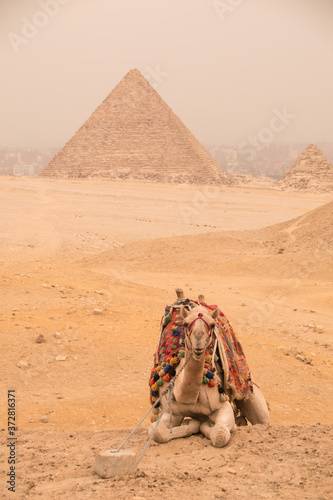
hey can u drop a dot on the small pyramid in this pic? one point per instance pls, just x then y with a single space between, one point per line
134 134
311 170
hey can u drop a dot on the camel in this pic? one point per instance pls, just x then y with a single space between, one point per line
201 407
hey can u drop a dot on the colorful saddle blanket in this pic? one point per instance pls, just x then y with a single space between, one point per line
236 375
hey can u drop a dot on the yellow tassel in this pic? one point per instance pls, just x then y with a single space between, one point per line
154 387
173 361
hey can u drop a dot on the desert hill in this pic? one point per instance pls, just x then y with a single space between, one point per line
231 251
311 170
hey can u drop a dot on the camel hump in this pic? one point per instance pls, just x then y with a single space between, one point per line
201 298
180 293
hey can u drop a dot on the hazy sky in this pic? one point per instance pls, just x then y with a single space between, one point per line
228 68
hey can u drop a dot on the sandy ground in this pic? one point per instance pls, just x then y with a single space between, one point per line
68 248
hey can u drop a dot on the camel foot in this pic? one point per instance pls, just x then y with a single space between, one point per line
219 435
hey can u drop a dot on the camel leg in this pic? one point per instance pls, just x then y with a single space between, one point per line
218 430
255 407
163 434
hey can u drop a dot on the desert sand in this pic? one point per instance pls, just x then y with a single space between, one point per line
90 266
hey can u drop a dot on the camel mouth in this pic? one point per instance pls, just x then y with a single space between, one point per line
198 352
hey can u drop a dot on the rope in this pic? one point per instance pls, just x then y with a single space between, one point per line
146 415
171 387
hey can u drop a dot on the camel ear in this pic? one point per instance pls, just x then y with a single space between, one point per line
216 313
183 312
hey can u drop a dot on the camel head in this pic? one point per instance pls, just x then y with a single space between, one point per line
199 324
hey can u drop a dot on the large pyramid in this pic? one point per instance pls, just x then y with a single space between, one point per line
134 134
311 170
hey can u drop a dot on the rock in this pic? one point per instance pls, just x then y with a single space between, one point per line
57 335
44 420
113 463
232 471
60 357
23 364
99 292
300 357
40 339
46 285
97 311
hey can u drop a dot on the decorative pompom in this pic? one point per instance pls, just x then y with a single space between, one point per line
163 364
162 373
205 371
221 390
156 377
208 358
222 398
160 382
167 368
154 393
211 383
172 371
205 380
151 381
158 368
173 361
154 387
209 374
167 378
182 353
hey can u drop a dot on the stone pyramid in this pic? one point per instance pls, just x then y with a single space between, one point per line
134 134
311 170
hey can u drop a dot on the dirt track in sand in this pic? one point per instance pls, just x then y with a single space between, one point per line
69 247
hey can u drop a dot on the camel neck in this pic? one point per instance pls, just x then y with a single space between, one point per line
188 387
